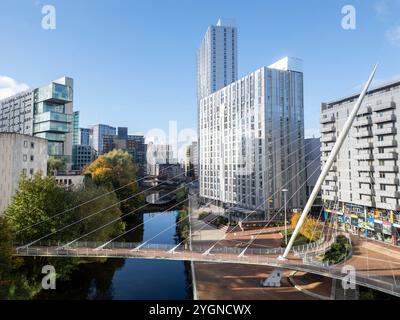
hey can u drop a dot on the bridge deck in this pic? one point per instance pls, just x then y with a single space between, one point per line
376 266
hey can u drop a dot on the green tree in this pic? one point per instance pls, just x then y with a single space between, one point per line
55 164
182 193
116 170
35 202
98 217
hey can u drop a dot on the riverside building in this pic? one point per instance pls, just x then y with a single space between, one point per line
361 192
251 140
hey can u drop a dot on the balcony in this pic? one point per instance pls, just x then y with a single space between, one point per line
361 122
331 177
330 197
363 134
387 180
328 119
384 106
333 169
326 148
363 145
384 131
365 110
387 193
365 179
387 206
328 128
365 168
328 138
386 143
386 156
387 168
384 118
366 191
332 188
365 156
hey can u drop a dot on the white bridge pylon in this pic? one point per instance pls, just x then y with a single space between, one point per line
328 164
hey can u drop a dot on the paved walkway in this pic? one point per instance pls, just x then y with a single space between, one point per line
241 282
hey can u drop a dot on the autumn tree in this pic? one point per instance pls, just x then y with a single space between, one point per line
117 171
311 228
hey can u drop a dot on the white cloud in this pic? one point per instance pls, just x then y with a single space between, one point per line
9 87
393 35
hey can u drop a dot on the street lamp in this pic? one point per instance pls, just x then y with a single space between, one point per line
284 194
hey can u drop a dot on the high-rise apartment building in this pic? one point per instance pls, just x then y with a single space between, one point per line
45 112
312 148
20 154
191 161
362 188
251 140
97 133
217 58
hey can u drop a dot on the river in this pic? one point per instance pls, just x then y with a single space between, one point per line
129 279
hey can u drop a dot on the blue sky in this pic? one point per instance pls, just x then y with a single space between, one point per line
133 62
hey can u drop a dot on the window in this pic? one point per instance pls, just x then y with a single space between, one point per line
31 171
32 157
24 157
32 145
26 144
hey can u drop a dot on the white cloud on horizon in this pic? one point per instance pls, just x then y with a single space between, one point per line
9 87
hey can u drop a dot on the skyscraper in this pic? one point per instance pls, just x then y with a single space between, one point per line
45 112
251 135
83 136
97 133
217 58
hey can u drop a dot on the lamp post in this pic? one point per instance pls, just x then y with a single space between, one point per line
284 194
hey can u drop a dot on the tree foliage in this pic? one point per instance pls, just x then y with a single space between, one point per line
311 228
35 201
55 164
182 193
117 171
338 251
98 213
40 207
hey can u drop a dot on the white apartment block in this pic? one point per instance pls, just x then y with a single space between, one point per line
251 140
366 172
217 58
19 154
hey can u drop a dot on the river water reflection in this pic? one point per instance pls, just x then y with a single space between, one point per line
125 279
